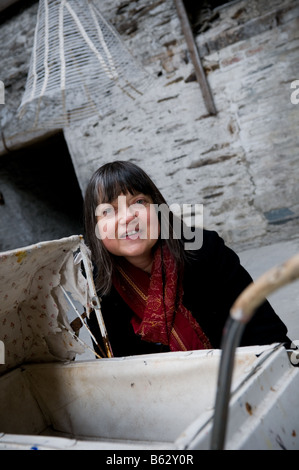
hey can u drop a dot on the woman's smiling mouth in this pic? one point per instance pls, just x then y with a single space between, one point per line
131 234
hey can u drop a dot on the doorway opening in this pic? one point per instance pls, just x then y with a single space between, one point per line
40 198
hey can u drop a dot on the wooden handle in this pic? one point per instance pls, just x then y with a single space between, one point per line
256 293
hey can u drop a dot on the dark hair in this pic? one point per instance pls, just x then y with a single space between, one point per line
105 185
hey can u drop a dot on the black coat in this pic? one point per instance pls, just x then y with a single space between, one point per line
212 281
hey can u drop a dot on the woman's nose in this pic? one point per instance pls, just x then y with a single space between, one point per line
126 217
125 213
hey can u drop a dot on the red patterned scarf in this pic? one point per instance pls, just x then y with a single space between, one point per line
156 317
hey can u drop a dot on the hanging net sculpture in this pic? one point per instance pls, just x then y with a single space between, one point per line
79 66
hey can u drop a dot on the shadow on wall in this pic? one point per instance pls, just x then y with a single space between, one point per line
40 195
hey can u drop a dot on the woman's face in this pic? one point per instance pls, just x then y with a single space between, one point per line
128 227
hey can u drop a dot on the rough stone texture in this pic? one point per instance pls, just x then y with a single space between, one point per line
242 163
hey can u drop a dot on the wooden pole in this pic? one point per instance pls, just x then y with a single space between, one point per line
199 71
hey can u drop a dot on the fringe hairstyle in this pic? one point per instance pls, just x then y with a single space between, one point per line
105 185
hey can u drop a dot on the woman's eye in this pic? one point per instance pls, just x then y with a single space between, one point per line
141 201
107 212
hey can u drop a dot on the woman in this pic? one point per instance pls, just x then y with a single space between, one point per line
156 295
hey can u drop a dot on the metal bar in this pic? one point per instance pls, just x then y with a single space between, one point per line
76 338
231 338
95 300
241 313
82 321
199 71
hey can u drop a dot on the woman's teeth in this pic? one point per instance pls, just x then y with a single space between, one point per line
133 232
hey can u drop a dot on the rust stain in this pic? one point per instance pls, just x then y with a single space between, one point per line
248 408
20 256
107 346
294 433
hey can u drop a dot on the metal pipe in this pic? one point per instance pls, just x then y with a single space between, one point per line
241 313
231 338
95 300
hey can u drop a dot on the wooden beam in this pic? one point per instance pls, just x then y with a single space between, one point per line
199 71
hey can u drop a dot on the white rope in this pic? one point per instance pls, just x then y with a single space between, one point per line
46 49
78 314
61 46
102 41
34 58
76 338
89 42
79 66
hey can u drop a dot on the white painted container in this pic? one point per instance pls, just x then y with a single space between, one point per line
158 401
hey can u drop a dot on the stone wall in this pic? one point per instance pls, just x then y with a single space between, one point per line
241 164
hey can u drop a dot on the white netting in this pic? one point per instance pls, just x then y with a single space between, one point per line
79 66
